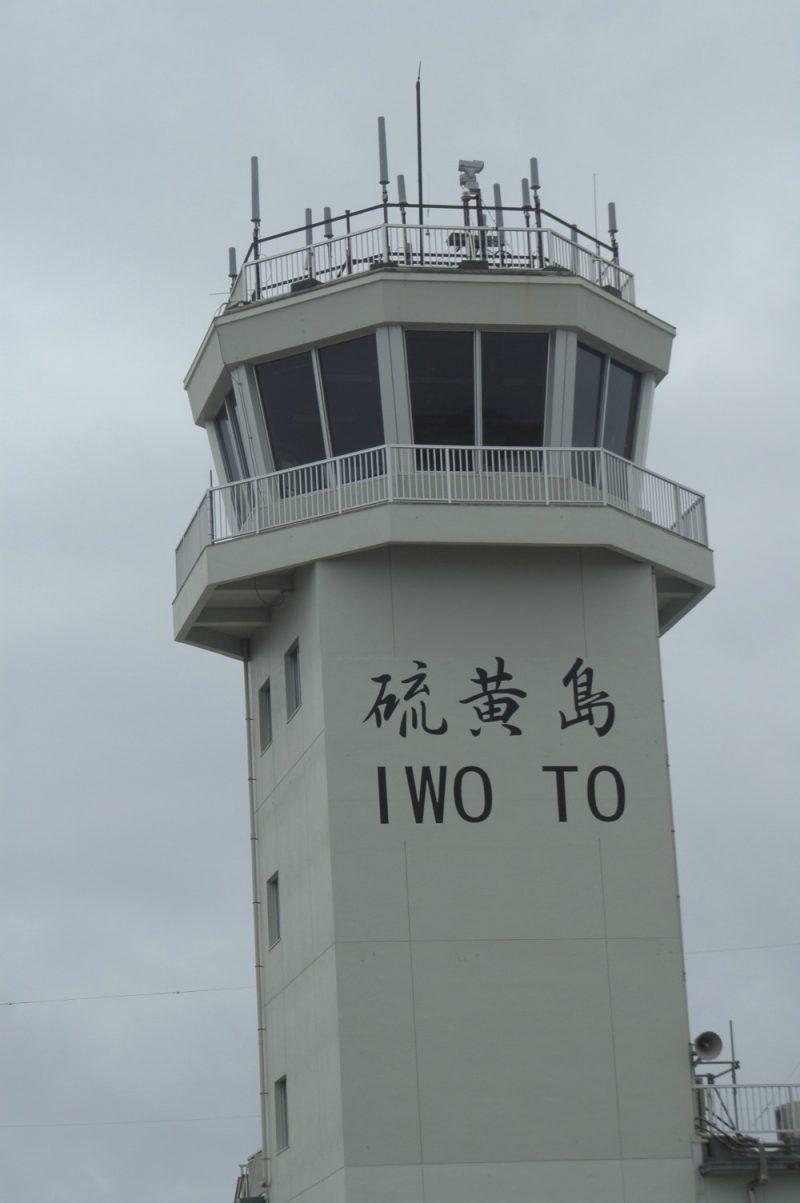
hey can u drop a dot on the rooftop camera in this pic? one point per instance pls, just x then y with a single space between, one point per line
467 172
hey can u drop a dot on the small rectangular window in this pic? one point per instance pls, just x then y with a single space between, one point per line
292 664
273 910
265 715
281 1116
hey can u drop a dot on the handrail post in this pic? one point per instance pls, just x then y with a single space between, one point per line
386 250
678 516
574 251
447 473
603 491
210 496
546 475
337 467
389 473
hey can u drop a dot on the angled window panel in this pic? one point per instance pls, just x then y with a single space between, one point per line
352 394
588 395
291 410
231 440
622 397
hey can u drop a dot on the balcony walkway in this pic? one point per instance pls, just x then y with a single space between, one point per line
444 247
512 476
752 1129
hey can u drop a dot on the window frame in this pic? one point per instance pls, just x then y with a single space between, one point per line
233 454
273 900
479 414
477 377
319 354
291 668
265 727
313 352
265 402
281 1101
475 368
602 407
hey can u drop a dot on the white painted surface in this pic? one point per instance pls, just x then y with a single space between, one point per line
488 1010
432 299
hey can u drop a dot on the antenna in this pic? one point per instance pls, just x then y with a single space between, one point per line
498 217
498 221
309 244
384 181
594 201
526 212
384 159
419 147
256 218
328 223
612 230
232 272
401 196
537 210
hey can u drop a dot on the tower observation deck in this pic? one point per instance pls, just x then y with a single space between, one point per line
440 557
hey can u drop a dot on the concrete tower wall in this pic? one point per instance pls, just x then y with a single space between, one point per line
473 1008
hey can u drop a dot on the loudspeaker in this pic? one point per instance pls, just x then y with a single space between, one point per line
707 1046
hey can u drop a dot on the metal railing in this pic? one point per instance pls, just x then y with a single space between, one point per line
769 1114
439 474
404 245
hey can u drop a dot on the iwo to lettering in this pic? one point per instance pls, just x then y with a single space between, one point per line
433 792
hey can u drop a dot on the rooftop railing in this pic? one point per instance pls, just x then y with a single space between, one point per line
535 476
340 253
768 1114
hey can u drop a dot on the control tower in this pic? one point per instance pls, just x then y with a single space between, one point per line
445 568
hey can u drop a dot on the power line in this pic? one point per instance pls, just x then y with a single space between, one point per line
28 1002
115 1123
701 952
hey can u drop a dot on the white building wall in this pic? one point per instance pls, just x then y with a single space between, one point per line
486 1009
299 979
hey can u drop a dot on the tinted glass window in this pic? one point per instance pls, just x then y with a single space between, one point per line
226 445
513 379
234 457
352 394
586 416
289 398
621 405
441 379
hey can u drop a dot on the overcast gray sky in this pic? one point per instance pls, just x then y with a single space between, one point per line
127 133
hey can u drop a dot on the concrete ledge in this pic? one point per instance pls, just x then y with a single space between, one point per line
683 569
